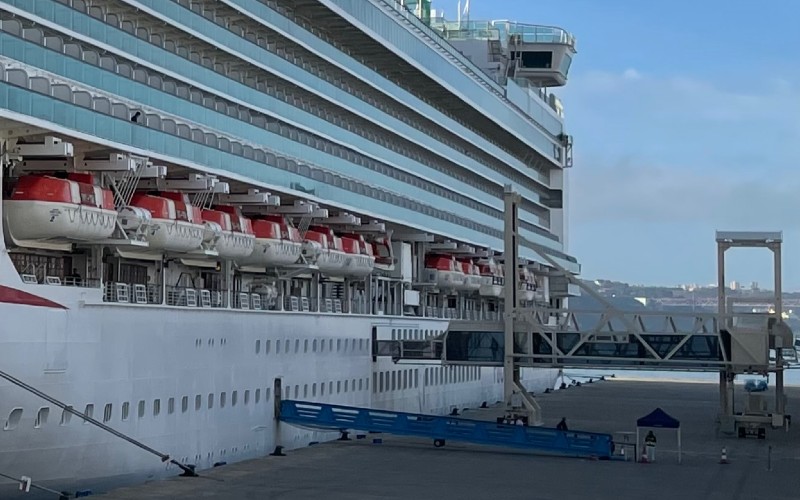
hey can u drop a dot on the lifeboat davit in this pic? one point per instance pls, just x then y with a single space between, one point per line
359 260
236 239
443 271
44 208
492 279
277 243
175 225
324 249
527 285
472 277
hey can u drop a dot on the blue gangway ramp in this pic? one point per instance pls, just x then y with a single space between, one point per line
541 439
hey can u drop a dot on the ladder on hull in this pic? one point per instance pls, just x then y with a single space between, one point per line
439 428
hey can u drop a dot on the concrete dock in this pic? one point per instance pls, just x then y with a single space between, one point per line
409 468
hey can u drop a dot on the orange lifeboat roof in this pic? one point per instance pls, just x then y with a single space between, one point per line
158 206
221 218
350 245
43 188
183 207
267 229
317 237
440 263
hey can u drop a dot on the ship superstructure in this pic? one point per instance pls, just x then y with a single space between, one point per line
206 200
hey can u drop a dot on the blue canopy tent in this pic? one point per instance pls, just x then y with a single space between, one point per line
659 419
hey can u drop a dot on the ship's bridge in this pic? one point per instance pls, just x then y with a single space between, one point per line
542 55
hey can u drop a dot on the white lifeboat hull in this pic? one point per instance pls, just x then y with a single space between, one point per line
445 279
174 235
41 220
490 287
471 283
526 294
273 253
330 261
358 265
234 245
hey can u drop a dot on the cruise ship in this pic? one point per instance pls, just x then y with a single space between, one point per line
208 201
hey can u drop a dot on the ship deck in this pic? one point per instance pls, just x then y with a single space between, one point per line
408 468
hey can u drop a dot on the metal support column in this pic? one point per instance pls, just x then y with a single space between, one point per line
510 252
780 401
725 396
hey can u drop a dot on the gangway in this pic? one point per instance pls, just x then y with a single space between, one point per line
727 342
331 417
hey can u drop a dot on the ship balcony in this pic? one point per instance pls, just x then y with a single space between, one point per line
540 54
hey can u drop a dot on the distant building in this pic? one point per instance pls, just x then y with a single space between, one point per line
754 286
735 285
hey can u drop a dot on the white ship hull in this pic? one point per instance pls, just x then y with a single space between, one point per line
100 354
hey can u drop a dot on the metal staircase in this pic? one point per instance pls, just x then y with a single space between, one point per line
540 439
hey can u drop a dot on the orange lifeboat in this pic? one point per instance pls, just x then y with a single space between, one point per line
277 243
492 279
527 285
44 208
443 271
175 225
236 239
359 260
383 252
472 276
324 249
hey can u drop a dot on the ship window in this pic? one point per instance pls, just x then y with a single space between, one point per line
305 345
381 383
297 391
156 407
247 396
330 387
107 412
184 404
305 390
171 406
338 386
89 412
234 398
267 393
41 417
66 415
330 345
296 346
314 345
258 395
13 419
374 381
141 408
346 385
210 400
223 398
339 344
198 402
537 59
394 380
258 346
367 387
360 384
267 346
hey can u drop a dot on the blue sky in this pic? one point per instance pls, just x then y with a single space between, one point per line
686 118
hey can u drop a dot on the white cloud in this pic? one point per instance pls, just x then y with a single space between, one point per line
631 74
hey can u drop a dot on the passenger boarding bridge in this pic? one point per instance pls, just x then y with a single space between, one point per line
727 342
